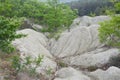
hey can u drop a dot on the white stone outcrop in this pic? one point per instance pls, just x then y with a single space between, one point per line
70 74
78 41
80 48
35 44
111 74
87 20
97 58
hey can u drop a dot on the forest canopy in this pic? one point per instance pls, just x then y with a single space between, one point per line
51 13
96 7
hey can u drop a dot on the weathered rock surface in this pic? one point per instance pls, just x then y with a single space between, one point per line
97 58
87 21
111 74
24 76
34 45
78 41
70 74
80 48
81 38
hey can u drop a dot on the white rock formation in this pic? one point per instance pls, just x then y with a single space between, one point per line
113 73
79 48
87 21
96 58
34 45
70 74
78 41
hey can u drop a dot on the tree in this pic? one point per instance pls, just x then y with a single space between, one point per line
31 9
58 15
52 14
109 32
8 27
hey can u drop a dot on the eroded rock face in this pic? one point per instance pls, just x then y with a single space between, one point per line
87 21
33 45
97 58
78 41
111 74
80 48
70 74
83 37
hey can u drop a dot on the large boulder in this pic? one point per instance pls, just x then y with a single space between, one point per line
35 44
113 73
97 58
78 41
70 74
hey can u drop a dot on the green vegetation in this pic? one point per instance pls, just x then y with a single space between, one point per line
8 27
86 7
52 14
21 8
29 65
58 16
110 30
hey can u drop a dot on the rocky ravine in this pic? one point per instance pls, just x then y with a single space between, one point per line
76 55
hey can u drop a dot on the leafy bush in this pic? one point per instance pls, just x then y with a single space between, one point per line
8 27
58 16
29 65
110 30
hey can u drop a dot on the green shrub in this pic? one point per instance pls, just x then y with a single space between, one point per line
109 32
28 65
8 27
58 16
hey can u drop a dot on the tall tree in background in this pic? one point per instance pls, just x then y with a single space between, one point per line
98 7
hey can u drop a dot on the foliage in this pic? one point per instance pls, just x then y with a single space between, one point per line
29 65
85 7
92 14
49 71
58 16
16 63
52 14
31 9
8 27
110 30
